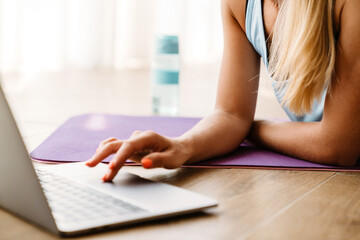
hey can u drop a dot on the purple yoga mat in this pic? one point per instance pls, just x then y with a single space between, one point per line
77 139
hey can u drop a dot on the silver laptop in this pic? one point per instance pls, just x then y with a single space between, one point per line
71 199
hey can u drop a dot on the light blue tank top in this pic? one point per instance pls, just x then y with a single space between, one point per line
255 32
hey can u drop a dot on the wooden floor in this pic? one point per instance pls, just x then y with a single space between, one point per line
253 204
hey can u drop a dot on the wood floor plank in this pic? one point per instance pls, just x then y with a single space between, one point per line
12 227
331 211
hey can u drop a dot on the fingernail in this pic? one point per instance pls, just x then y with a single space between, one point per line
111 165
87 163
106 176
146 162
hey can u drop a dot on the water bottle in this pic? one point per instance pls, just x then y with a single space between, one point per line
165 76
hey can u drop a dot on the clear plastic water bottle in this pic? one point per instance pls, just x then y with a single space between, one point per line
165 76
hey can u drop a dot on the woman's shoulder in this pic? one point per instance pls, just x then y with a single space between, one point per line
237 9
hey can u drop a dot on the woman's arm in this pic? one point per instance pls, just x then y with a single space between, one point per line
225 129
336 139
217 134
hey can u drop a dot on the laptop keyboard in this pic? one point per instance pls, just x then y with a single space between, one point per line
72 202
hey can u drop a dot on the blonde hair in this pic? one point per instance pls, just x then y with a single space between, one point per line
302 52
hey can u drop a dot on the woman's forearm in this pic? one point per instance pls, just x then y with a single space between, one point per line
297 139
215 135
305 140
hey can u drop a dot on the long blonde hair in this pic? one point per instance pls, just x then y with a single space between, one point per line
302 51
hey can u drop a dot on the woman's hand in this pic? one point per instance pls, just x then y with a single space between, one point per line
149 148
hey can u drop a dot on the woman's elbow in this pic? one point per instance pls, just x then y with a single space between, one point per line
345 161
339 156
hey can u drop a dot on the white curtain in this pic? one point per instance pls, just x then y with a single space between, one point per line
55 35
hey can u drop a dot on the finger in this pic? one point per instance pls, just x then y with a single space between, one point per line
118 161
135 134
160 159
147 163
102 143
155 160
127 149
107 150
137 156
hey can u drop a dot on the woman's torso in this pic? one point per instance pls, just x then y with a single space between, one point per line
258 22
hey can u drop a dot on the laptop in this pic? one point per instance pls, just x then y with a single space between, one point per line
71 199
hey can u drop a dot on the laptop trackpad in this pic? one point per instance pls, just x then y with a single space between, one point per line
152 196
